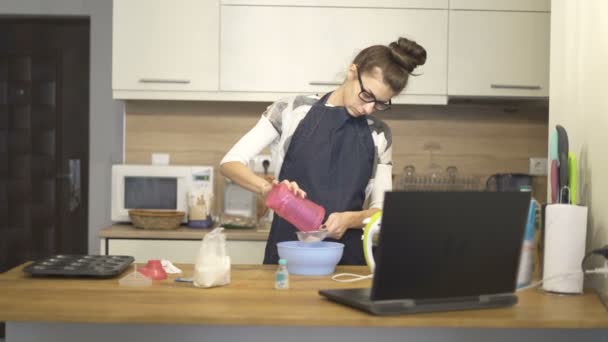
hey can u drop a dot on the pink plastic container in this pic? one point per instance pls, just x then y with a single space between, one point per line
302 213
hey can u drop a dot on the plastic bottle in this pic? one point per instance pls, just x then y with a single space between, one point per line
281 276
302 213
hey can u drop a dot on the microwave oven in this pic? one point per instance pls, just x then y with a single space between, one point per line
157 187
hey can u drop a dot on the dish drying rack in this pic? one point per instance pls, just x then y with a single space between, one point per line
438 180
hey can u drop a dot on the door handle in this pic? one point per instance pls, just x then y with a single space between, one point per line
515 86
75 186
74 191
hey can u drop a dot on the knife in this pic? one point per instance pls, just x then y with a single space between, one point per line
554 180
553 145
573 177
562 154
554 163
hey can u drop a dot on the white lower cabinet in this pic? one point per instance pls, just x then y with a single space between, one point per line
308 49
181 251
494 53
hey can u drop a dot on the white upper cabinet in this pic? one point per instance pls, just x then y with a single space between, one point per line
283 49
261 50
161 45
498 53
502 5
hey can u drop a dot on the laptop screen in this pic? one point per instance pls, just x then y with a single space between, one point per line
437 245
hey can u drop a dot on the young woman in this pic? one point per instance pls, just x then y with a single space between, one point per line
330 149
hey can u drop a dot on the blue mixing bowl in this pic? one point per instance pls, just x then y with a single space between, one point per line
319 258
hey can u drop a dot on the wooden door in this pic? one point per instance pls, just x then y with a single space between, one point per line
44 138
44 119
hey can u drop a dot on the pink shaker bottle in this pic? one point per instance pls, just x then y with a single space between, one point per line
302 213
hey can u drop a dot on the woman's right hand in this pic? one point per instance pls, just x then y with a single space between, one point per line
292 186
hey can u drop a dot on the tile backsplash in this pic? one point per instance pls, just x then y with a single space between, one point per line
479 138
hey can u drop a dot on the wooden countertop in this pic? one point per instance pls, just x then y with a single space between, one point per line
127 231
251 300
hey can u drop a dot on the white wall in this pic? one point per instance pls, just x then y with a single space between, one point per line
579 101
106 115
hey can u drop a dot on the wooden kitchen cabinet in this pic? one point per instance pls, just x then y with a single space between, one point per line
284 49
498 53
164 46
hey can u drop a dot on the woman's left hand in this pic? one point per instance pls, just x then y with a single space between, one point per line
337 224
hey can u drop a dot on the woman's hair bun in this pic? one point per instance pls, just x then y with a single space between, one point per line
407 53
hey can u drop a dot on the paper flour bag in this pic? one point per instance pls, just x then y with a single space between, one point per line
212 267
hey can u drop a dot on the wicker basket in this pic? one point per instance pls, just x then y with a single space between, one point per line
156 219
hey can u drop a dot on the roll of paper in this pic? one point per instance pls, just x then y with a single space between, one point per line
565 236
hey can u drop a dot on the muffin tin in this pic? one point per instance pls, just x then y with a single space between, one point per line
80 265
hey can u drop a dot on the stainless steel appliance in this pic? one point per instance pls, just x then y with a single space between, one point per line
509 182
239 210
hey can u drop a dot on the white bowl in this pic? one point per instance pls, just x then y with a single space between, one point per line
318 258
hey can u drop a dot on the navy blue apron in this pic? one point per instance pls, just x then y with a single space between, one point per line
331 157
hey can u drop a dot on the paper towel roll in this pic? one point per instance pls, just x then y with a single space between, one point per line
565 235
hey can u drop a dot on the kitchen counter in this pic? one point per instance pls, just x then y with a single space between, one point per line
58 309
251 299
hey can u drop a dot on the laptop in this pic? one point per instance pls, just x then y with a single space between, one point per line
443 251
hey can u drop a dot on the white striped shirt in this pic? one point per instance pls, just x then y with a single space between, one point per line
279 122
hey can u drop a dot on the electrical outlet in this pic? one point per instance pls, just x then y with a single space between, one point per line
257 163
160 158
538 166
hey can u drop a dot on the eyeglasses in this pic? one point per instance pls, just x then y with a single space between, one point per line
368 97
